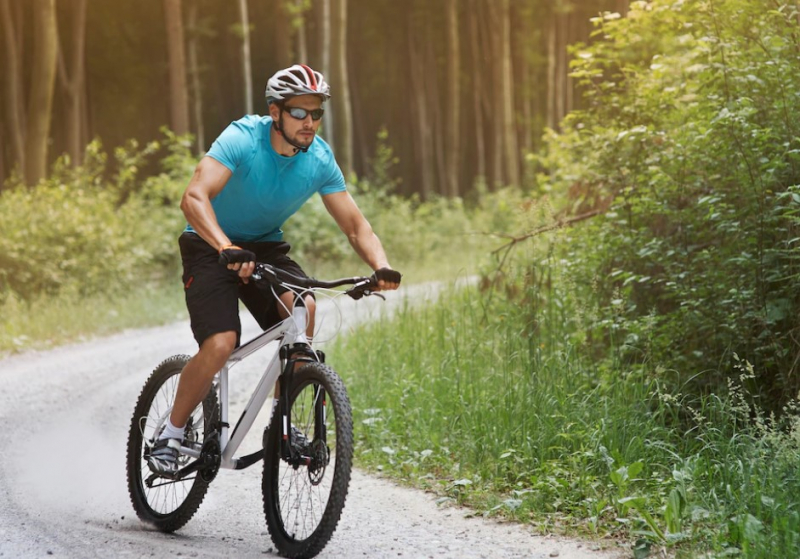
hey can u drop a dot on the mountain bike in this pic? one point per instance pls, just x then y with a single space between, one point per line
307 447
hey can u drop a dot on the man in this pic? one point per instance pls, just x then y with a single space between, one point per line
258 173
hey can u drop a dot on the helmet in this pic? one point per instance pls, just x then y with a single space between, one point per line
296 80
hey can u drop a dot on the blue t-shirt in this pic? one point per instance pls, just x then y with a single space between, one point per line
267 188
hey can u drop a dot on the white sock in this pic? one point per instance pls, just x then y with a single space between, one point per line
171 432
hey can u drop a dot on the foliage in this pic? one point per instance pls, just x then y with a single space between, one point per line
487 399
691 143
83 233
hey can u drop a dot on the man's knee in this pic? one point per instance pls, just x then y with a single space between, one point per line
311 304
219 346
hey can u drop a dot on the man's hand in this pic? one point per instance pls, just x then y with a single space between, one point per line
237 258
387 279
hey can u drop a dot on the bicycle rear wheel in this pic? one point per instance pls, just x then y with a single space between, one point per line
165 503
303 502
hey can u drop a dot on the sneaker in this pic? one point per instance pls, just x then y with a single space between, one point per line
163 459
299 440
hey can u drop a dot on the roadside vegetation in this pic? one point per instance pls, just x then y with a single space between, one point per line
631 373
93 249
634 375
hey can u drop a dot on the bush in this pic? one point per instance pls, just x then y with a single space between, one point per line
82 233
691 145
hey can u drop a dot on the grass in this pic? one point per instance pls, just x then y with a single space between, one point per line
490 403
52 321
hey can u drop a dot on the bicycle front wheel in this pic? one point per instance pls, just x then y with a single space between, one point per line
303 501
165 503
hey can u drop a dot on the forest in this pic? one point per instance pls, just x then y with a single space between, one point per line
622 177
462 88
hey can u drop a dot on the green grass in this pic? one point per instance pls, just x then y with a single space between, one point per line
490 403
52 321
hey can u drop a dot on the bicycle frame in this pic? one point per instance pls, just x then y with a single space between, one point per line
290 330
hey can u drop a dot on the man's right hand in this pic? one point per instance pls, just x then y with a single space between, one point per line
237 258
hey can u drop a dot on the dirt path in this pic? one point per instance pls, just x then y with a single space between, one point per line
64 416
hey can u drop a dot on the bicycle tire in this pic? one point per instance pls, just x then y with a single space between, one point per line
291 491
168 505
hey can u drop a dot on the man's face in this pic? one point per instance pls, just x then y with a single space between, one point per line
300 131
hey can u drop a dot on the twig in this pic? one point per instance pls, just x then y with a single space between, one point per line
545 228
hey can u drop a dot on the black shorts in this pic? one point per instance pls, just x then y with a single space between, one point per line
212 290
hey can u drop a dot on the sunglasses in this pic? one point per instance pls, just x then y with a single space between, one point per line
301 114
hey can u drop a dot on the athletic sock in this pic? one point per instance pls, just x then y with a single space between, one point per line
171 432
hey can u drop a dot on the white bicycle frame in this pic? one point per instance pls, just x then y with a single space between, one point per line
290 330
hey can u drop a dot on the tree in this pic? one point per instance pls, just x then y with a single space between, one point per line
43 77
339 78
194 72
453 97
510 145
13 94
325 43
179 95
477 91
246 67
72 80
420 109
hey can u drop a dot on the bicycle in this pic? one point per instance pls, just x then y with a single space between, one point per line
307 452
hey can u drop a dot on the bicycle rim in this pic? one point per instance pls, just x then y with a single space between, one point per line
166 503
303 503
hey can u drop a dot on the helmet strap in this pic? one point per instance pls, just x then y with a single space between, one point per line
279 129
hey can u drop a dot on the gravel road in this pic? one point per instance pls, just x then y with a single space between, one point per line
64 416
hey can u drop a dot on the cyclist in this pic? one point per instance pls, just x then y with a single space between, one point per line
258 173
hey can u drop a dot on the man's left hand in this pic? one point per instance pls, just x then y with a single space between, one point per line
387 279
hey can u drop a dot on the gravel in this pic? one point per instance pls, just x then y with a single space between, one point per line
64 416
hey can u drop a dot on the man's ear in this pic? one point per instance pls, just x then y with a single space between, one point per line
274 111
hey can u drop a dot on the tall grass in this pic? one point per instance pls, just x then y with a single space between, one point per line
489 398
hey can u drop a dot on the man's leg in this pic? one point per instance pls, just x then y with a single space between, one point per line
288 303
197 376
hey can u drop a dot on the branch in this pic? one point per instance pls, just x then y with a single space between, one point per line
543 229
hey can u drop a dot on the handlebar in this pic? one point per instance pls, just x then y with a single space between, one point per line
362 286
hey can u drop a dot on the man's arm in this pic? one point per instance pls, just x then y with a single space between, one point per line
359 232
210 177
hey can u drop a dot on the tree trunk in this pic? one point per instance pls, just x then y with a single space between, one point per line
561 54
13 93
453 97
623 6
495 32
552 121
302 43
477 93
328 118
43 77
434 102
194 70
423 146
283 39
510 145
247 71
72 80
179 97
341 99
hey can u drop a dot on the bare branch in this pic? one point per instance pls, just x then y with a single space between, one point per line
545 228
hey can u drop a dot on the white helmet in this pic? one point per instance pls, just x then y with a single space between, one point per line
296 80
